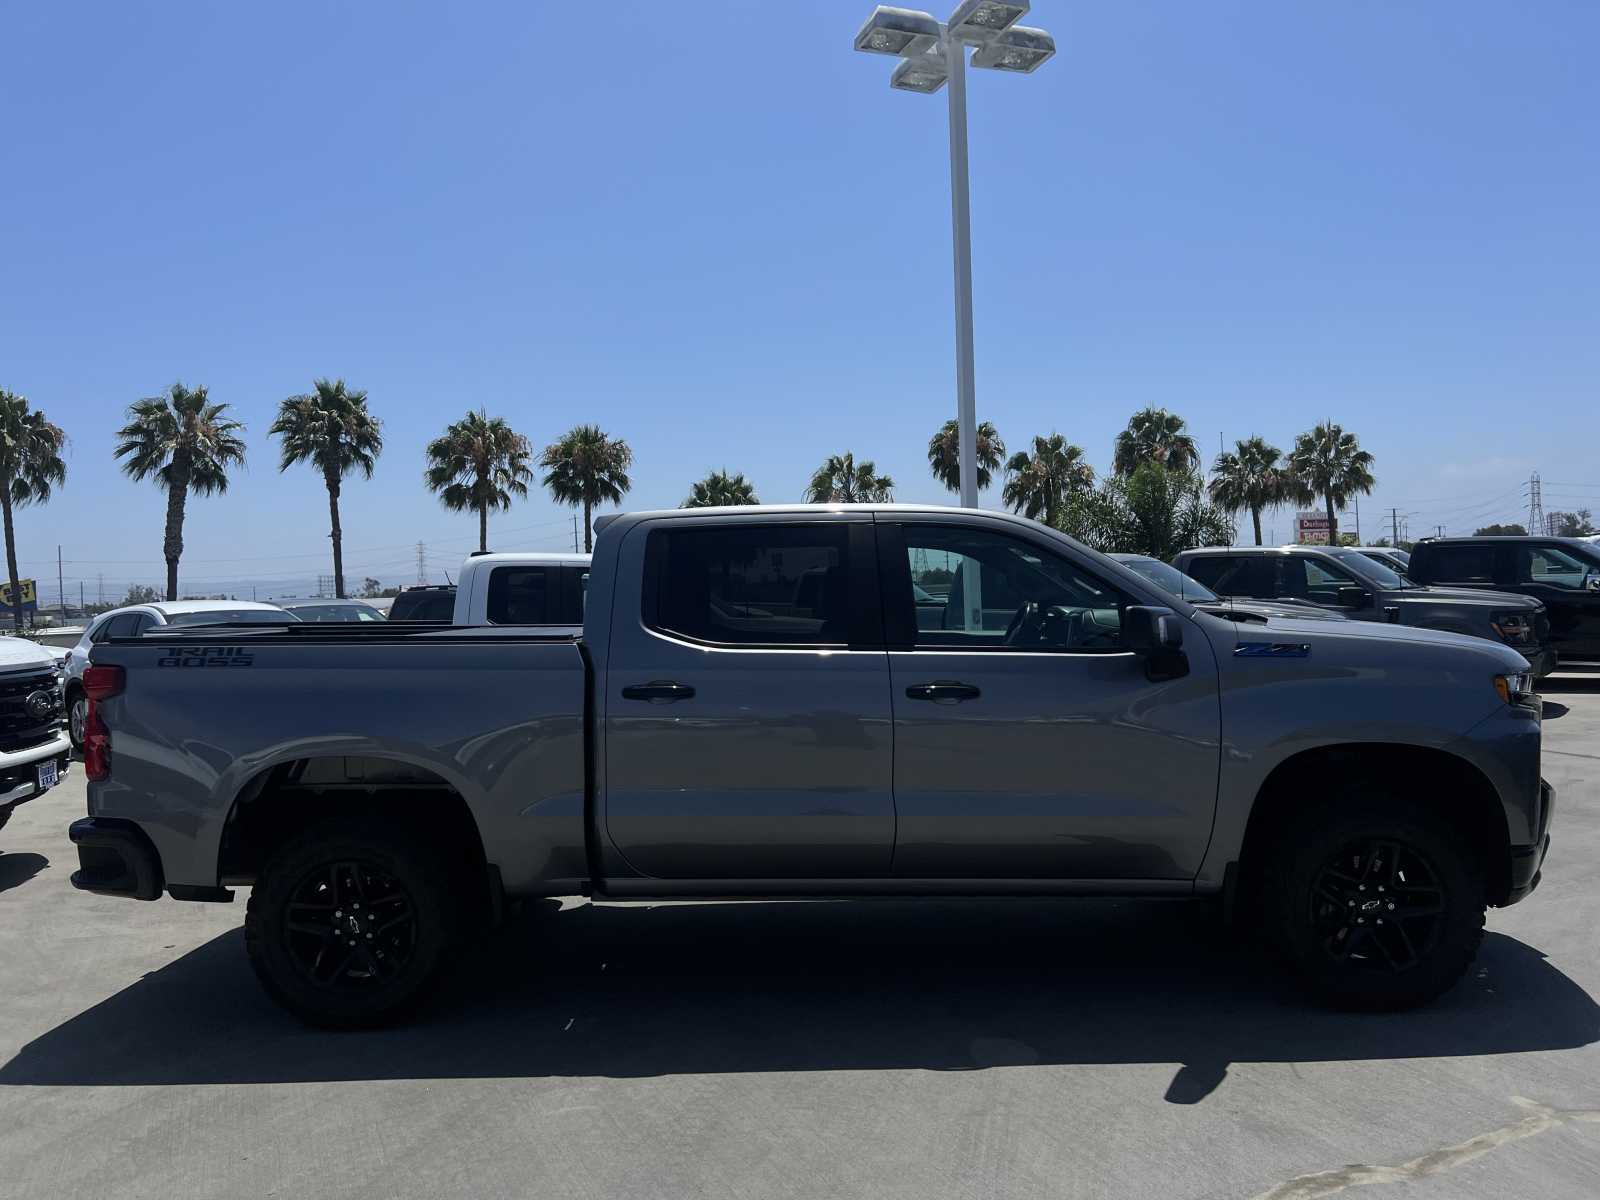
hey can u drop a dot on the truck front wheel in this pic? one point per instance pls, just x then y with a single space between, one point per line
349 922
1375 900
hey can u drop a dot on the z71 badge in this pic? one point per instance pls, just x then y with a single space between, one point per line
207 656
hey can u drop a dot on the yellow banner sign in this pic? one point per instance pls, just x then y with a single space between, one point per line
30 595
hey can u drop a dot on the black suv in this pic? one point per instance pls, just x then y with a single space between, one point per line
1335 577
1561 573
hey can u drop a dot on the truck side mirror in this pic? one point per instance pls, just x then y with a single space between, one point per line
1155 635
1147 630
1592 581
1353 597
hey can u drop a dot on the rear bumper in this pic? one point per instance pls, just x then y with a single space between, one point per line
1527 862
115 858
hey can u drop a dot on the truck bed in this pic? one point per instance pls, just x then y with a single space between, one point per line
212 717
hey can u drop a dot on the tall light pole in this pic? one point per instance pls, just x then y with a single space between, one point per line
933 53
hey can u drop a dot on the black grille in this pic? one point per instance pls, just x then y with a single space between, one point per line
20 728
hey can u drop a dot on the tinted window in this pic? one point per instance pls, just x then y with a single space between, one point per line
1235 575
231 616
771 585
1169 578
101 630
419 605
1554 568
1461 564
126 625
521 595
1367 567
978 589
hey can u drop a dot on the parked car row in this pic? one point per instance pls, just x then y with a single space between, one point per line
836 701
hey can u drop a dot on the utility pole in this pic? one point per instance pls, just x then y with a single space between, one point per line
1394 526
100 580
61 586
1357 500
80 597
574 533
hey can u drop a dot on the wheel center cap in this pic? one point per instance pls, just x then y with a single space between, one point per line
354 922
1371 905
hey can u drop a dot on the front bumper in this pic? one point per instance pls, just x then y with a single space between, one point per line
115 858
1527 862
19 770
1542 660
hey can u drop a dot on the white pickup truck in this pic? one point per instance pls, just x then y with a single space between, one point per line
33 743
522 589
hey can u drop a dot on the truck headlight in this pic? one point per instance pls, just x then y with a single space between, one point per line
1515 629
1515 689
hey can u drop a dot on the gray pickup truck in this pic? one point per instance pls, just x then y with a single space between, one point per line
829 702
1346 580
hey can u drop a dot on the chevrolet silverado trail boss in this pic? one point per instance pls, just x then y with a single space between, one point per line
828 702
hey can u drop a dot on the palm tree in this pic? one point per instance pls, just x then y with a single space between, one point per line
1155 435
1041 482
30 465
331 429
1252 477
840 480
720 489
587 466
186 444
944 455
1330 463
479 463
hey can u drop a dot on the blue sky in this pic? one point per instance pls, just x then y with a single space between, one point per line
1256 214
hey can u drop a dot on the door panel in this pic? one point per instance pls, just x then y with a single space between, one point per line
1050 759
778 764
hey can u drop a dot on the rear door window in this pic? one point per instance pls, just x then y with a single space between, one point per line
754 585
1461 564
1234 574
522 595
126 625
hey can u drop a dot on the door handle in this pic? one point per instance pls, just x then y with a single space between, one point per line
943 691
658 691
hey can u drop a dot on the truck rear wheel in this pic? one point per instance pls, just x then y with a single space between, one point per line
1376 901
349 922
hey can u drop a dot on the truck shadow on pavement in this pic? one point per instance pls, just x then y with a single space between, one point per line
17 867
847 985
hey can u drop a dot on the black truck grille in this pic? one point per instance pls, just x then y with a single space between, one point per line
22 725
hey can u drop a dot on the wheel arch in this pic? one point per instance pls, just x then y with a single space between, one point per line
1446 782
279 800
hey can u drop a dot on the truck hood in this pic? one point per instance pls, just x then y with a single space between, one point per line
1466 596
17 654
1267 608
1355 641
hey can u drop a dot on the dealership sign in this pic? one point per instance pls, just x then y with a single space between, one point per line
1311 528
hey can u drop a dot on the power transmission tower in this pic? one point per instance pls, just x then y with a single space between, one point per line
422 564
101 581
325 585
1536 521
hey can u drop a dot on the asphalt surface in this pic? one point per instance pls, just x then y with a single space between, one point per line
1008 1049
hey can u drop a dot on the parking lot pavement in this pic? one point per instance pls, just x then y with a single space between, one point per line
1012 1049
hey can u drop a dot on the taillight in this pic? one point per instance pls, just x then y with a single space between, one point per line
99 683
102 683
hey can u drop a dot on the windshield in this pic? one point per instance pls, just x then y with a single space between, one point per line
336 612
1170 579
1368 569
232 616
